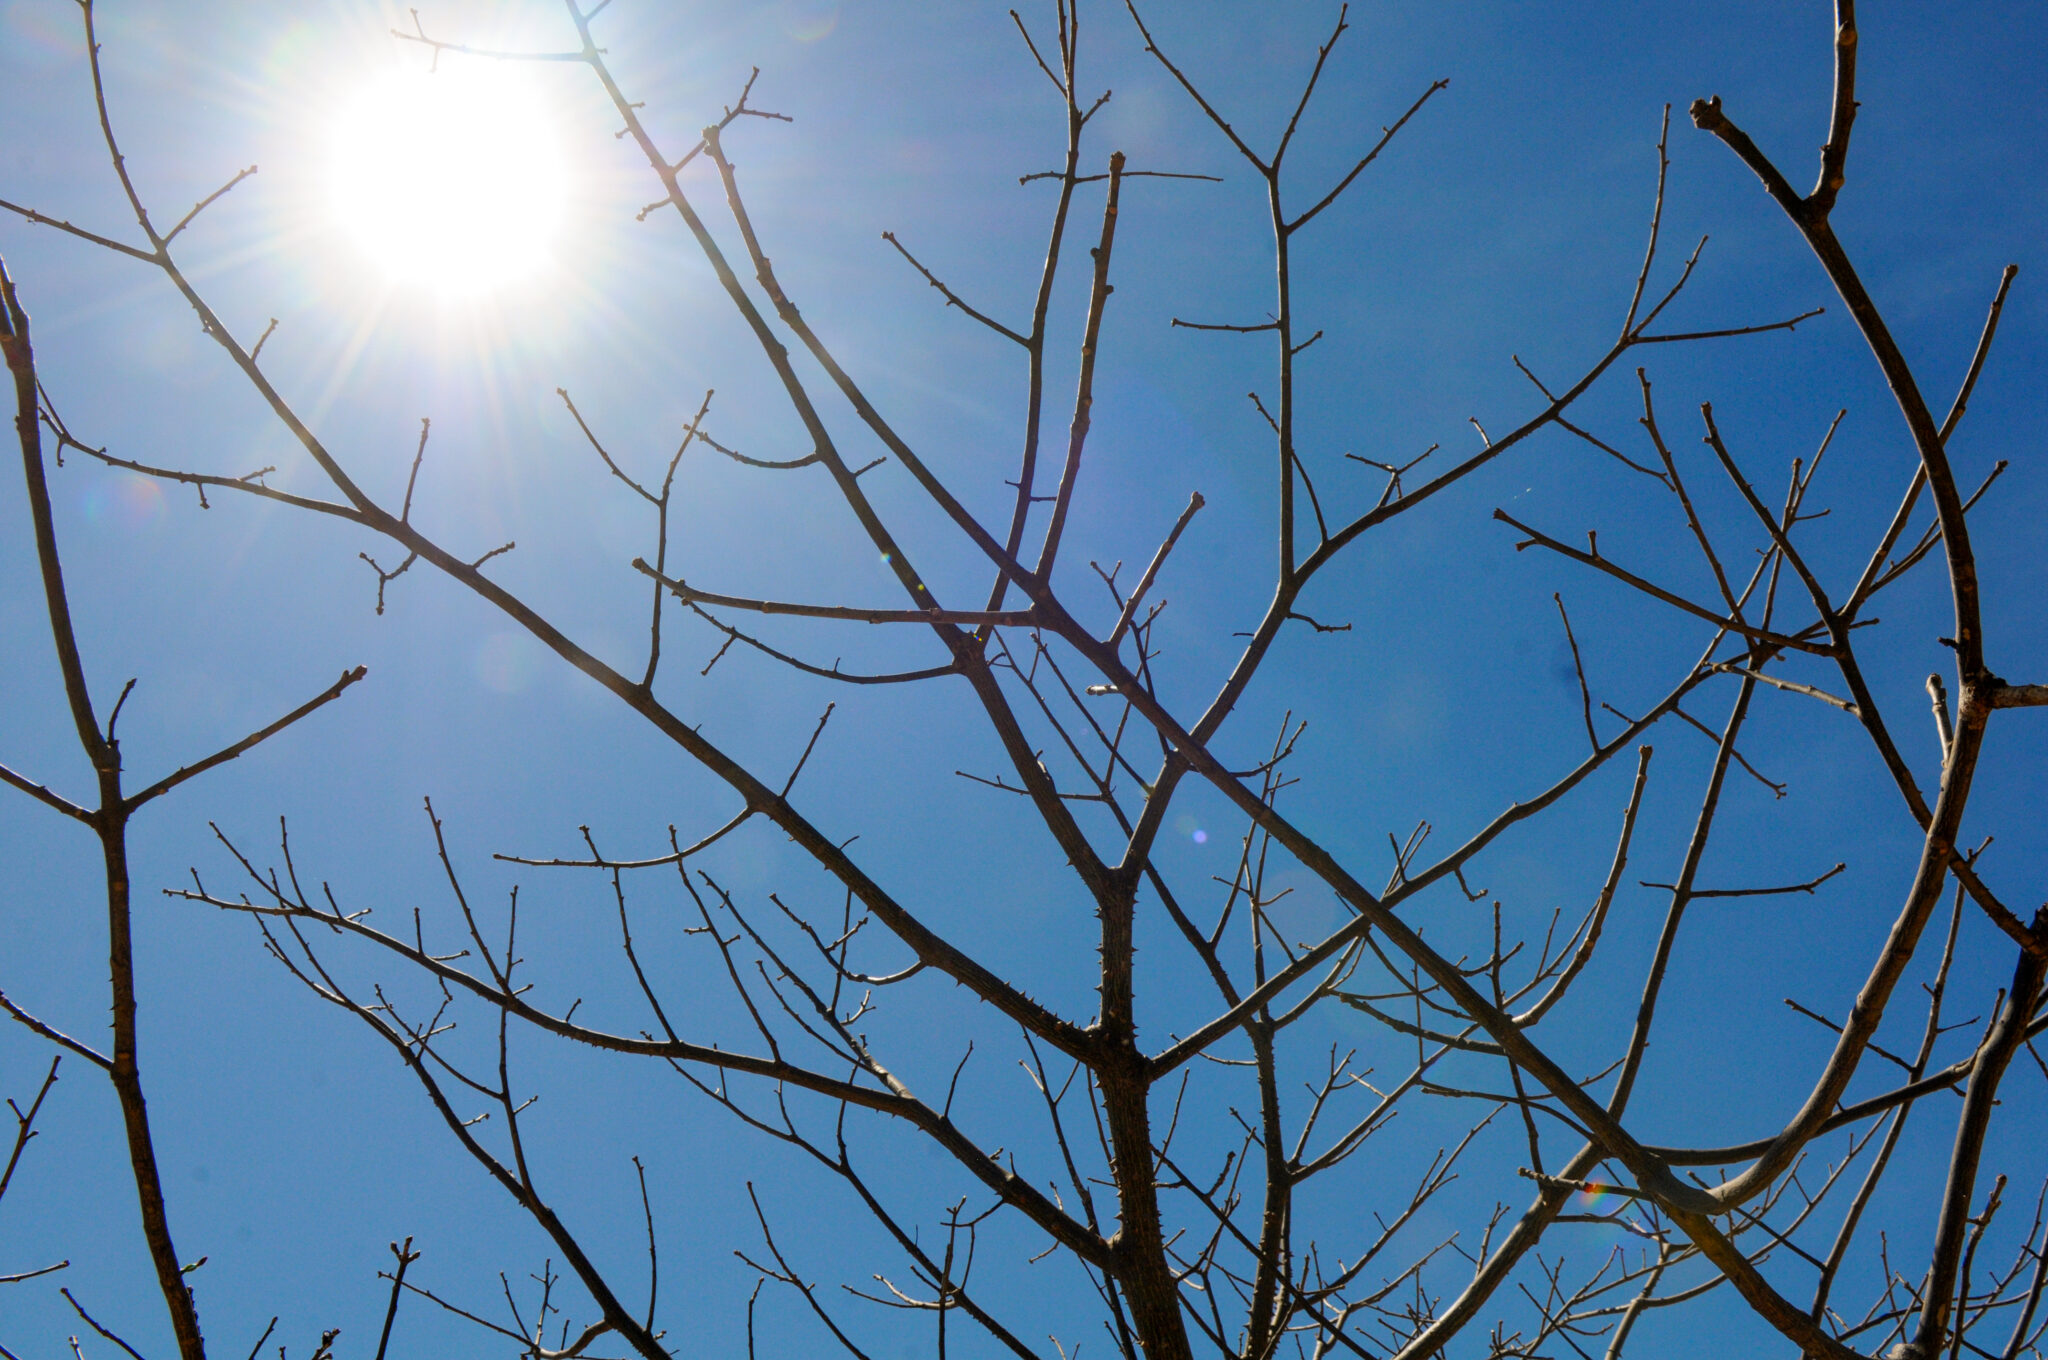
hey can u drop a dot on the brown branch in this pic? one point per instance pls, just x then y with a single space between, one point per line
952 298
1578 666
1677 484
1130 608
1993 1055
1929 1034
1762 635
256 738
1806 887
2019 696
1681 897
1811 218
1386 135
1789 686
1867 582
1084 394
203 204
498 992
97 1326
55 1036
831 672
45 796
1789 323
1224 326
405 1256
1838 629
24 1130
1222 125
1635 300
688 594
81 233
110 819
1834 154
1605 899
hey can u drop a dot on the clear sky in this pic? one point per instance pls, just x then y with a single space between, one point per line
1508 219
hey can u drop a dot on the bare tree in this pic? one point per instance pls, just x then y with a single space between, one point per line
1196 1155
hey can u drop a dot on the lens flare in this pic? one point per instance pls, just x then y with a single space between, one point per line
128 503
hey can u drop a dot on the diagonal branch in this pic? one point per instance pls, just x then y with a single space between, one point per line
256 738
1386 135
203 204
1762 635
55 1036
952 298
105 243
45 796
1130 609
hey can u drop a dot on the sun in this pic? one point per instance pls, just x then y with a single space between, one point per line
450 181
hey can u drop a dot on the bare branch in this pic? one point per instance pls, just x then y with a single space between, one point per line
256 738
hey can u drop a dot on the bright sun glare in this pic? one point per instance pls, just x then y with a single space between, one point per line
452 181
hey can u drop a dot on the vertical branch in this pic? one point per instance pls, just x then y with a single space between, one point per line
1084 396
1681 895
1283 328
405 1256
2008 1032
1637 1304
14 339
1268 1321
1847 1232
110 822
1034 397
661 506
1635 301
1274 1259
1834 154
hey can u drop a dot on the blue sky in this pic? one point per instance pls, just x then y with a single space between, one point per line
1508 219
